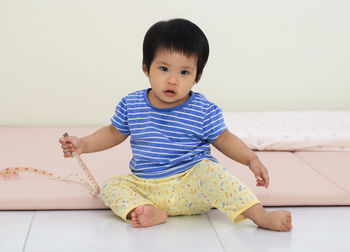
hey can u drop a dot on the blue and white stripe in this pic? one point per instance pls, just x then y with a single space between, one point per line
165 142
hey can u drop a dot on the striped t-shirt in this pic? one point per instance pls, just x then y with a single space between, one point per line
168 141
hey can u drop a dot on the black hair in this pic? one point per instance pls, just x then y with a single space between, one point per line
179 35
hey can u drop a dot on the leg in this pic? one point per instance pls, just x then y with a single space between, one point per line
174 195
225 191
127 200
232 197
280 220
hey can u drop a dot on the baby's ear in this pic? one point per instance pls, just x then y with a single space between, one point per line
145 70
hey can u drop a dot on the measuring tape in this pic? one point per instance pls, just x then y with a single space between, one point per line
89 183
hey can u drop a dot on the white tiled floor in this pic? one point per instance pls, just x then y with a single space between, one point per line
315 229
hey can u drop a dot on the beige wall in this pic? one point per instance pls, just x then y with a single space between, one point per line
68 62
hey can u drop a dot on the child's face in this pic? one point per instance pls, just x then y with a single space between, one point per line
171 76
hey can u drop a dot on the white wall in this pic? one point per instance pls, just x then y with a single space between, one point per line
68 62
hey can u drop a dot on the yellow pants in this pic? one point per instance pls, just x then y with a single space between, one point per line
195 191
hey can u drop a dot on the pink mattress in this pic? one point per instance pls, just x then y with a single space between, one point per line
297 178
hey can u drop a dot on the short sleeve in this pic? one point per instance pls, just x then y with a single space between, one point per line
214 123
120 118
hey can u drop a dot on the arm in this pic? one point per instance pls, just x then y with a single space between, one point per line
102 139
231 146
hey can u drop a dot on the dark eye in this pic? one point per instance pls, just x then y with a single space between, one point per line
164 69
184 72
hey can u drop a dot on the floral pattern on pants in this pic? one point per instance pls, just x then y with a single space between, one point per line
206 185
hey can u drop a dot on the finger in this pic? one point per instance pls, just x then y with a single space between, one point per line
62 140
257 174
69 147
68 150
67 140
266 178
67 154
267 183
260 182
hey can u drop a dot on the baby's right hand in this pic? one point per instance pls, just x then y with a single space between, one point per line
70 144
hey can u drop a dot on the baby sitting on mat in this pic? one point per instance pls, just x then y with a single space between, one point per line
171 129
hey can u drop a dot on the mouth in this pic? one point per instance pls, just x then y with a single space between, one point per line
170 93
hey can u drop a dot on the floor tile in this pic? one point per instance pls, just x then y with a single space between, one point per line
14 226
101 230
315 229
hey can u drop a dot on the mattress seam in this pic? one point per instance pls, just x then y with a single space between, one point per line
320 173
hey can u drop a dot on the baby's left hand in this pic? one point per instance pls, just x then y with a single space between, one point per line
260 172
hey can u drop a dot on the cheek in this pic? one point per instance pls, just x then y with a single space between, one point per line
155 80
191 82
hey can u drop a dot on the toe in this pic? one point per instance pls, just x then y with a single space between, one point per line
287 227
135 220
136 223
139 210
133 216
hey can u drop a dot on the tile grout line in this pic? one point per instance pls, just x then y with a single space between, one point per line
28 232
216 234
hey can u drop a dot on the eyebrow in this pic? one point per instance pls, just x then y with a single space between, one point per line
164 63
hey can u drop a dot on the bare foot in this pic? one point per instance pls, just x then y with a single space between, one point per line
279 220
147 215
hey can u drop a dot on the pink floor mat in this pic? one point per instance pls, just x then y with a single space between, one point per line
301 178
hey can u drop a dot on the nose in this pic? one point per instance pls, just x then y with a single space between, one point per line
172 79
